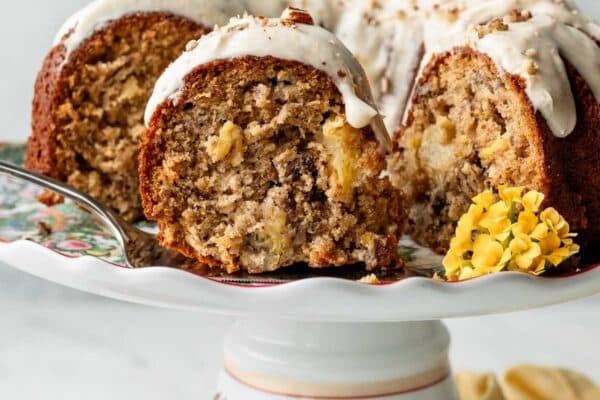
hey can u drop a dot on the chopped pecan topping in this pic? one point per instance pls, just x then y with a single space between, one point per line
296 16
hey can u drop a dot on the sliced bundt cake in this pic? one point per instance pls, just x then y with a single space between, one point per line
264 150
502 99
92 90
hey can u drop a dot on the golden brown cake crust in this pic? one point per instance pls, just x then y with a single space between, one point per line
58 154
565 170
581 155
40 156
282 171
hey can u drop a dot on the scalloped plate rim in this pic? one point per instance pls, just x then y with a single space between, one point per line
347 301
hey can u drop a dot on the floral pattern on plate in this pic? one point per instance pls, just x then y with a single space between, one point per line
65 228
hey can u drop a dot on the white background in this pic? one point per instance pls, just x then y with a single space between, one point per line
56 343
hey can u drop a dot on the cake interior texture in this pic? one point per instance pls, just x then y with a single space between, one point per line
88 114
471 127
255 168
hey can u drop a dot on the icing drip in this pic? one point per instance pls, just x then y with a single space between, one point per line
387 39
261 37
454 17
533 50
206 12
531 47
92 17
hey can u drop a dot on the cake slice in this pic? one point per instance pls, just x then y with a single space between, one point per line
92 90
502 99
264 149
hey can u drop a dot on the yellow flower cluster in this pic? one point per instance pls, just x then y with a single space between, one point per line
508 231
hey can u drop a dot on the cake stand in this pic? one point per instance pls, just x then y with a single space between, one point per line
319 338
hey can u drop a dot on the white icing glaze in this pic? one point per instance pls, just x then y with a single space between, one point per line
387 40
531 49
549 88
445 25
209 13
261 37
92 17
387 37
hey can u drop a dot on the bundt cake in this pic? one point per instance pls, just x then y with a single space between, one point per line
256 157
94 84
508 94
92 90
264 149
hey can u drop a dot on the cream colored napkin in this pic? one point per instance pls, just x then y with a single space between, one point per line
527 382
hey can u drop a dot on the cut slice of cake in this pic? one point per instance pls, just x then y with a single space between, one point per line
510 99
92 90
264 149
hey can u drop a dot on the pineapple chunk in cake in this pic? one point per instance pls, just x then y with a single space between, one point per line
229 141
343 145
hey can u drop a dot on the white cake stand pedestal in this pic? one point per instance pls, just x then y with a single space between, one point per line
276 359
319 338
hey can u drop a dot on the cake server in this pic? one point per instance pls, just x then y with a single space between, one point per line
141 249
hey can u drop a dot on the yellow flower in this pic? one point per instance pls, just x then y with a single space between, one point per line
539 232
484 199
471 219
573 249
553 250
526 223
453 264
549 242
525 253
489 255
468 273
555 222
463 241
559 255
495 235
496 220
510 195
532 201
540 268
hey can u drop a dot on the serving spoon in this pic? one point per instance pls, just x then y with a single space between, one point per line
141 249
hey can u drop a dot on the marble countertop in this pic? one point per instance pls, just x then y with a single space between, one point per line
57 343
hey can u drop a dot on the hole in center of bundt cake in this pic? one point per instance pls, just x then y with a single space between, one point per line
263 171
